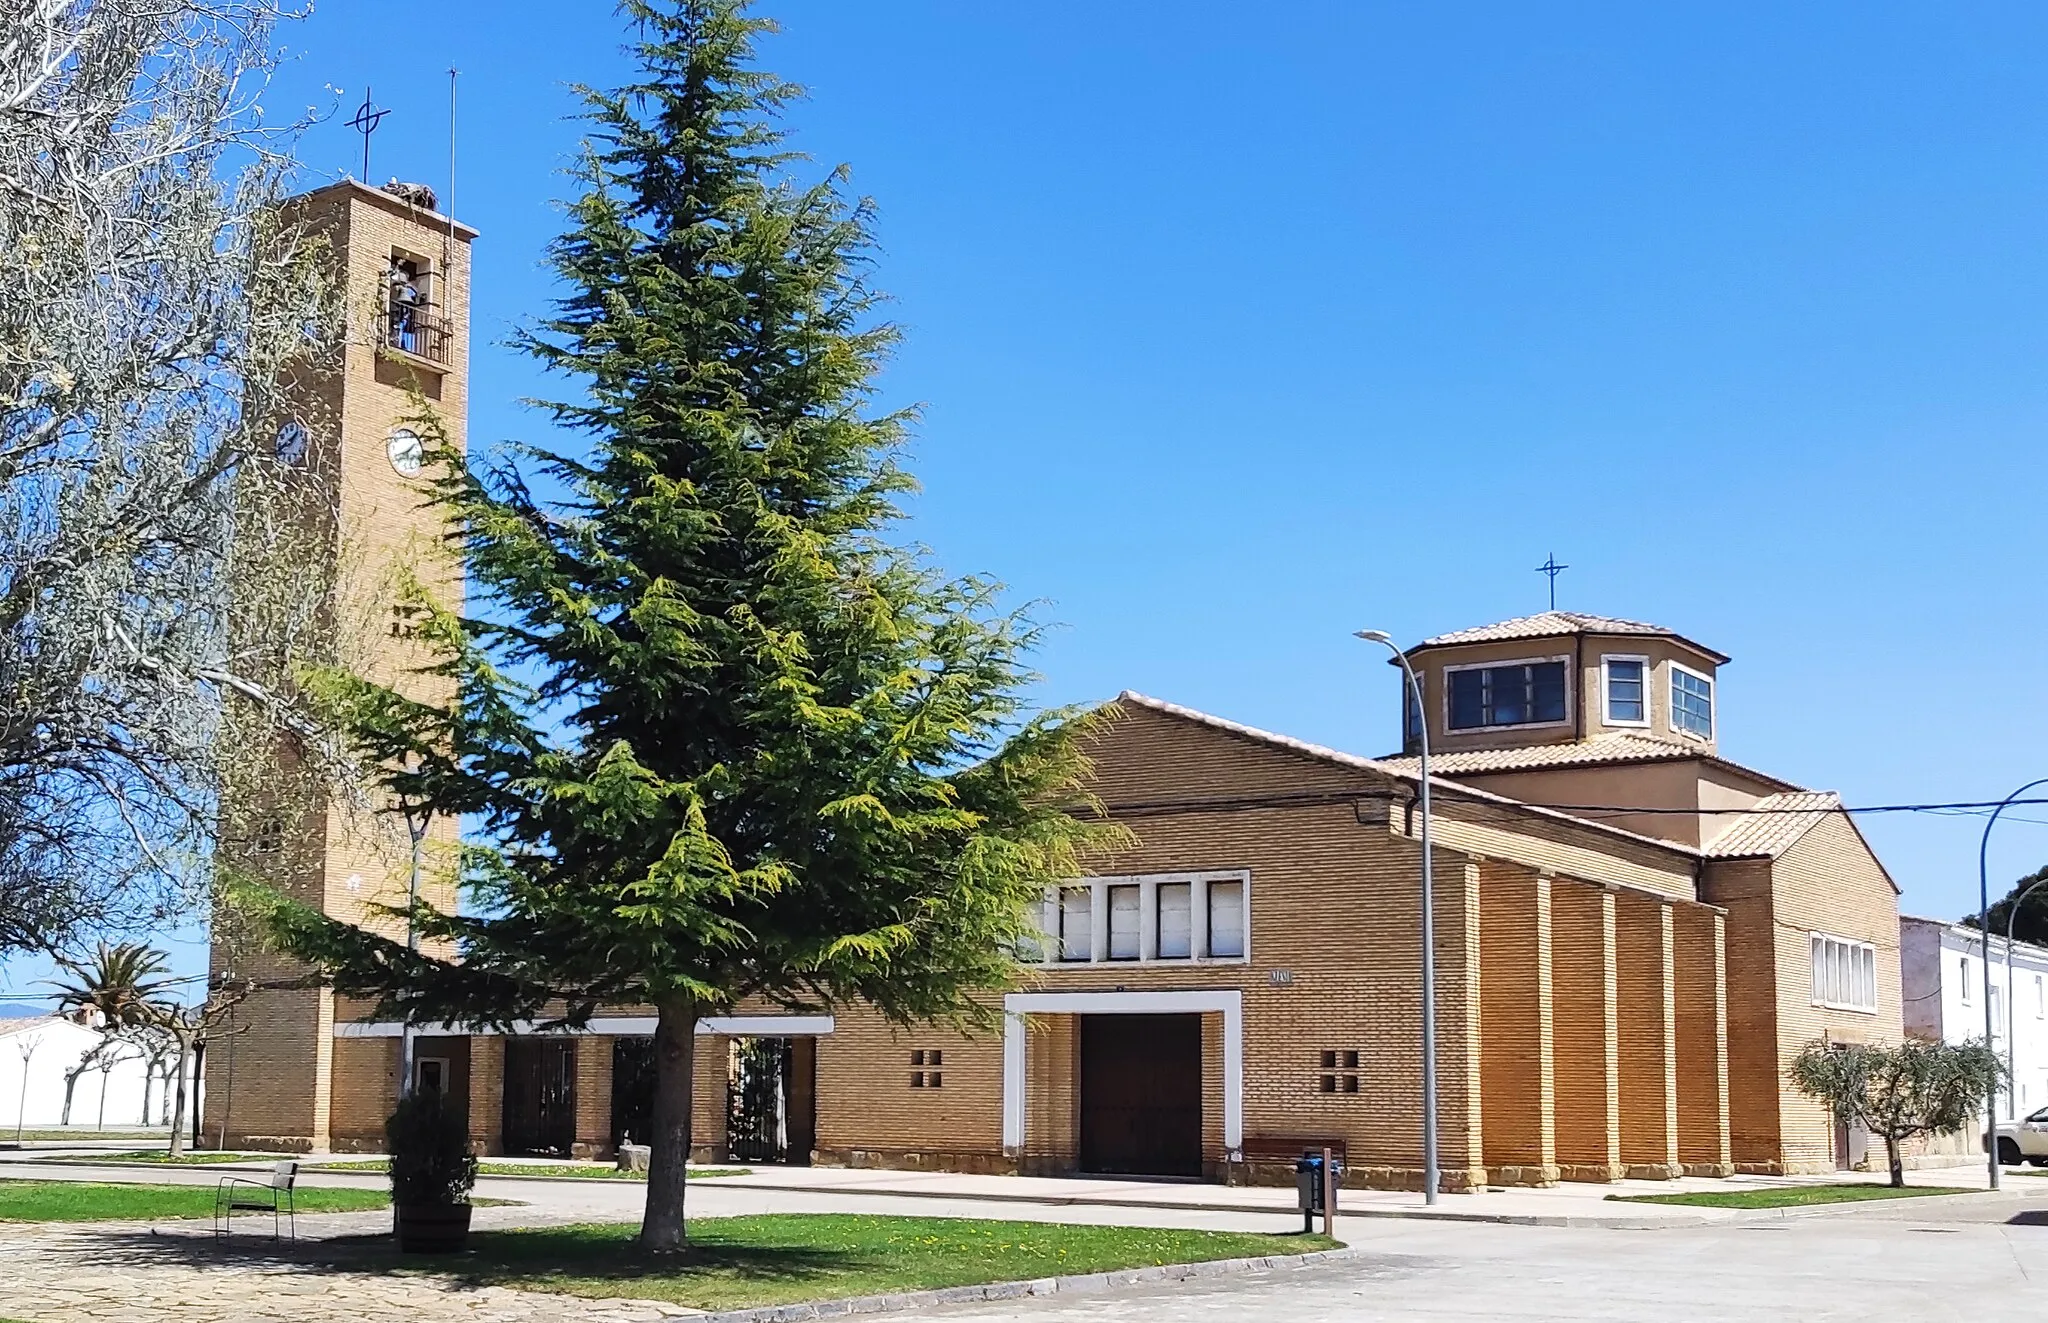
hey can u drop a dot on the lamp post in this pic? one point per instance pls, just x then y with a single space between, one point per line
416 819
1984 931
1431 1177
2011 995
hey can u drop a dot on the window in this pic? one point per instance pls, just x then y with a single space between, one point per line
1692 702
926 1079
1226 918
1964 981
2040 999
430 1075
1176 920
1626 691
1844 973
1518 694
1123 923
1997 1015
1411 712
1339 1073
1077 926
1143 920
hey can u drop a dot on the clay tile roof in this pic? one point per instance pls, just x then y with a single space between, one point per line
1558 624
1604 749
1773 825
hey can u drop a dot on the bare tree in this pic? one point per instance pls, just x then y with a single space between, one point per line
158 575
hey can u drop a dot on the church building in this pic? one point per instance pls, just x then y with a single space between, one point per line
1634 934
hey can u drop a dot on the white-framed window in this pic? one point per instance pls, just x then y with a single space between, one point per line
1997 1014
1692 702
1532 691
2040 999
1161 917
1963 982
1844 973
1625 684
1176 920
1226 920
1076 909
1123 922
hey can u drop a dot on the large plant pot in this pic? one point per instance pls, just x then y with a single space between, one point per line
431 1228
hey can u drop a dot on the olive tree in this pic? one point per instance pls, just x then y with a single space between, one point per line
1898 1091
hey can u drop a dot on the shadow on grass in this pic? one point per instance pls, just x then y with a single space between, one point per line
731 1262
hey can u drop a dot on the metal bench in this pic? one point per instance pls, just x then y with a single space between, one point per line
239 1194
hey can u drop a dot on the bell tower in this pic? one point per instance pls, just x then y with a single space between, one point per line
403 270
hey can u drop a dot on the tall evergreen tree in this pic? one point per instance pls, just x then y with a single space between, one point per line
754 750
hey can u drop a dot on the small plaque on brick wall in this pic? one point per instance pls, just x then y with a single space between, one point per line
1282 978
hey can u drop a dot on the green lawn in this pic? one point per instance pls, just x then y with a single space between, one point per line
737 1262
84 1201
111 1132
158 1156
1787 1196
587 1171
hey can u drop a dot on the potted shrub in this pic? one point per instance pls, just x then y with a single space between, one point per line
432 1171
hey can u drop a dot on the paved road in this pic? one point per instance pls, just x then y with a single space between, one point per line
1976 1257
1973 1263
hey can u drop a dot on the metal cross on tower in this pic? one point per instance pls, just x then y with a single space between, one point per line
368 116
1553 569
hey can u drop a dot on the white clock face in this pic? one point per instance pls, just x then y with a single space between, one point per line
291 441
406 452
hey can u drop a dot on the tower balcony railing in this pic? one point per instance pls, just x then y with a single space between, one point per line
417 329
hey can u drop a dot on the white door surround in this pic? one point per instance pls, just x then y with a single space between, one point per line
1229 1002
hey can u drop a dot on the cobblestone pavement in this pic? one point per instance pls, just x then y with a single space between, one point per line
130 1273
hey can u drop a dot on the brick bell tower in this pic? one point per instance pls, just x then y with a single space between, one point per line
277 1080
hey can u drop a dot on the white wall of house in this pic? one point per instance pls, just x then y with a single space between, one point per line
34 1056
1942 971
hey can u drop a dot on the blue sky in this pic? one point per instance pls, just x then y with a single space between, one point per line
1238 329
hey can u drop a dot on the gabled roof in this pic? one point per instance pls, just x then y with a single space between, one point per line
1773 825
1390 769
1560 624
1600 751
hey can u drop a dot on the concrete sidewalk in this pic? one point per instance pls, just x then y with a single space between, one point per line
867 1189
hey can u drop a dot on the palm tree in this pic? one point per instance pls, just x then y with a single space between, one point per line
123 982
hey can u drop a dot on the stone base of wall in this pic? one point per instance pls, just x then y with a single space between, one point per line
1710 1169
244 1141
1536 1176
1654 1171
973 1164
1599 1173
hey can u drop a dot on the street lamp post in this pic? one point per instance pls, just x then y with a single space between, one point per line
1431 1177
2011 995
416 819
1984 931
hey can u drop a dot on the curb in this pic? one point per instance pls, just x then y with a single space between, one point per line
1083 1284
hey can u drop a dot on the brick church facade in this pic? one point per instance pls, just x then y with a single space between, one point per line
1633 934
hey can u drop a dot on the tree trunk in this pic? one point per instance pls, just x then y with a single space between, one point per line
70 1087
178 1107
662 1227
1897 1164
148 1086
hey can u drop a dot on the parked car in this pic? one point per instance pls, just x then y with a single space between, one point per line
2024 1140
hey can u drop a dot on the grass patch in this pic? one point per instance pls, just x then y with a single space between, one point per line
1787 1196
94 1136
737 1262
89 1201
155 1158
585 1171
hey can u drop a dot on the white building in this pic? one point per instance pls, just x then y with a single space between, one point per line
36 1054
1942 972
